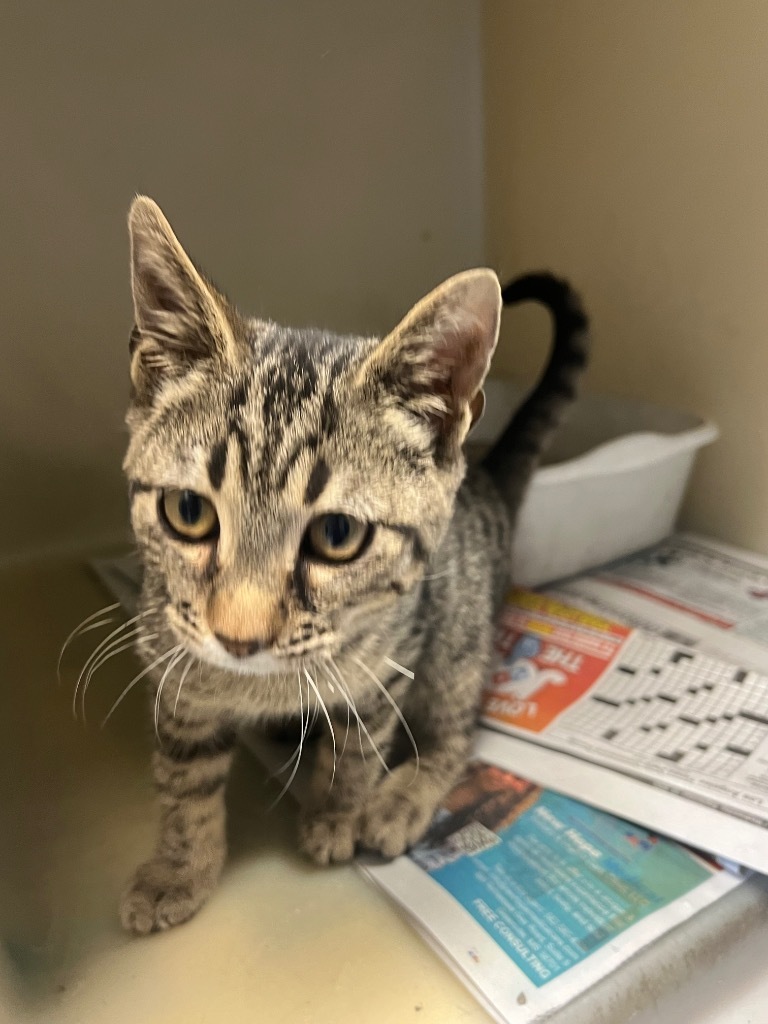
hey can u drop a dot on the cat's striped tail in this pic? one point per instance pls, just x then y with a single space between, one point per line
514 457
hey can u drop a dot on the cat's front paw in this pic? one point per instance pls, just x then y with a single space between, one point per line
398 814
162 895
328 837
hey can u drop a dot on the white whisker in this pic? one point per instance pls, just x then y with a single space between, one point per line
118 645
299 750
399 668
97 652
94 625
311 682
168 668
79 629
315 711
346 694
287 764
395 707
438 575
137 678
184 675
328 664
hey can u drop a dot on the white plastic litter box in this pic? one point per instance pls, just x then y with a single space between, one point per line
611 483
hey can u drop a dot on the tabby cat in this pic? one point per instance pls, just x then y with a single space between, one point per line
312 542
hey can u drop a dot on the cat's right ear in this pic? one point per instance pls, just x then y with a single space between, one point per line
179 316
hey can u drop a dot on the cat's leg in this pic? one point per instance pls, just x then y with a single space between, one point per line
330 822
190 765
400 809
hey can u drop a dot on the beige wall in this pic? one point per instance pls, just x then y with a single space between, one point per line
322 160
627 146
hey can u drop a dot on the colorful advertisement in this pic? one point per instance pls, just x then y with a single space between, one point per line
549 879
550 656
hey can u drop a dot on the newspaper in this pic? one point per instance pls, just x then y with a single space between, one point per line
714 582
690 589
531 897
643 685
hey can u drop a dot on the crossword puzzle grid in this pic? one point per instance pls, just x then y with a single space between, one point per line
663 704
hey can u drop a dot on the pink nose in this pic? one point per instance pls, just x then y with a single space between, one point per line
245 618
238 648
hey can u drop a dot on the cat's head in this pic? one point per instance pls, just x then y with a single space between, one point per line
286 485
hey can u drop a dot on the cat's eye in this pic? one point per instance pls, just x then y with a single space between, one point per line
189 515
336 537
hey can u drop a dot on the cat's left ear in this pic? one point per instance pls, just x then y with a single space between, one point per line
436 359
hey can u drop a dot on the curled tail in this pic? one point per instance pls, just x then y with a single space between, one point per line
513 459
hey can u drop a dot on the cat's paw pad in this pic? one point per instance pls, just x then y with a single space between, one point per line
161 896
397 817
327 837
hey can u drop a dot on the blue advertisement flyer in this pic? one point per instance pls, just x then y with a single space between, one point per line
533 897
550 879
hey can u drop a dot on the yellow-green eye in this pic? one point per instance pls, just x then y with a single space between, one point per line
189 515
336 537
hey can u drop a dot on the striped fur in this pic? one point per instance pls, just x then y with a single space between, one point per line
275 426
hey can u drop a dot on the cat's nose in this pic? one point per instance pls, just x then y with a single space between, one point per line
238 648
245 619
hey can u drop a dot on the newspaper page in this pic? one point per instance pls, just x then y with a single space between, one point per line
533 897
652 711
690 589
715 582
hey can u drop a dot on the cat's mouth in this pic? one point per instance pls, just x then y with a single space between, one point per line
271 661
260 663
